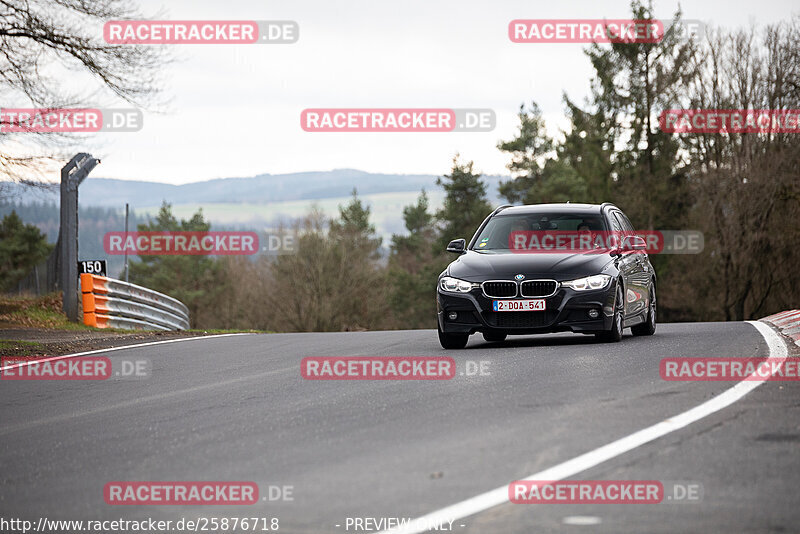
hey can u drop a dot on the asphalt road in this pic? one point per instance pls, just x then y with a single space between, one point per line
236 408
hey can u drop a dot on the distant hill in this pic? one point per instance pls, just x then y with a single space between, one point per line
261 189
256 203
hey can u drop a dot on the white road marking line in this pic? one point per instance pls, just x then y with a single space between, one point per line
499 496
75 355
581 520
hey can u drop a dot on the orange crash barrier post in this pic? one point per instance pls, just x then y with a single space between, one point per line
87 299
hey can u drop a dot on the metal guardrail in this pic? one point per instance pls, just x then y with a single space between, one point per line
113 303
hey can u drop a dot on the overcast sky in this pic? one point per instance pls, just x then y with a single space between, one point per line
234 110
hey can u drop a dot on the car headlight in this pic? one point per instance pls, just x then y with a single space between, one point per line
598 281
454 285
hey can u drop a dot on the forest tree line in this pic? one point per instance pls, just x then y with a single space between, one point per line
741 190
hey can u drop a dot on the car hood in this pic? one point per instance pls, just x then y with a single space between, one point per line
479 266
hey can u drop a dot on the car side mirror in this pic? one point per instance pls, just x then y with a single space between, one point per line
633 242
457 246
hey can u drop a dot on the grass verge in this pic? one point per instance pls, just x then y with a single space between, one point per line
10 347
36 312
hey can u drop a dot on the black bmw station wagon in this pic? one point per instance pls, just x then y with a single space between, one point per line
548 268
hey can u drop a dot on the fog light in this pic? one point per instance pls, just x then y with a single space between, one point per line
594 314
452 316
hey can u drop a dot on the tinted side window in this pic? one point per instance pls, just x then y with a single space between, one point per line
626 223
623 223
615 224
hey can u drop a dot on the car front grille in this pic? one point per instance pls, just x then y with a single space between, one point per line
499 289
524 319
538 288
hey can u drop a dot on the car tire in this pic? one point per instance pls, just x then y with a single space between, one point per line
615 334
452 341
493 337
647 328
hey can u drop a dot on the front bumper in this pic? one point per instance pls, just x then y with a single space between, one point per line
566 311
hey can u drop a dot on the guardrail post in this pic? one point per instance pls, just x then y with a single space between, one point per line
113 303
87 300
72 174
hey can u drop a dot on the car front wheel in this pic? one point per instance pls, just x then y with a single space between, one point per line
452 341
493 337
615 334
647 328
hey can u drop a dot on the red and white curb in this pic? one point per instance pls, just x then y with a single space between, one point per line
788 323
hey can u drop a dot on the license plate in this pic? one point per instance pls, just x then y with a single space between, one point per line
518 305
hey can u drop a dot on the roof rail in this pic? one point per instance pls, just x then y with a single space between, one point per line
498 209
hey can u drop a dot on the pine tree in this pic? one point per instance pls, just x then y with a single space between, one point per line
537 176
465 203
633 83
414 265
353 227
21 247
195 280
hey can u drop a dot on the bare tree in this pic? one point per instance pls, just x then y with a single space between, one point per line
53 55
747 184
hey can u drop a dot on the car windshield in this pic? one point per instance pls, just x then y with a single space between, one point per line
503 231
